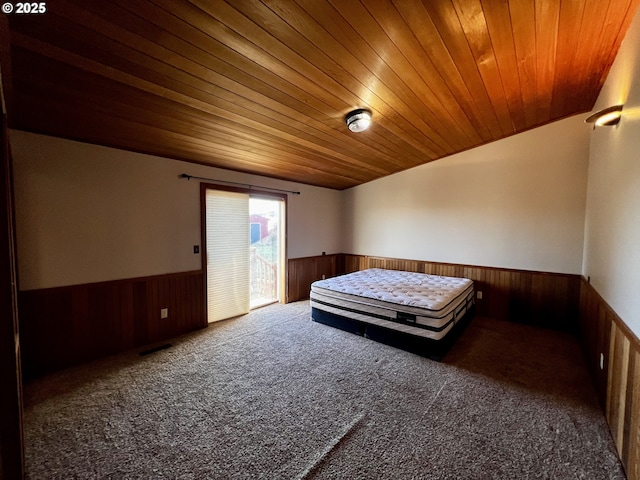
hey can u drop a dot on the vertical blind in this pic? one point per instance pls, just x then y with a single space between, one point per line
227 242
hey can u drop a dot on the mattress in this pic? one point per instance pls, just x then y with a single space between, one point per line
417 304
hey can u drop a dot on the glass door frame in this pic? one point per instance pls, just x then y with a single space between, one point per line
283 293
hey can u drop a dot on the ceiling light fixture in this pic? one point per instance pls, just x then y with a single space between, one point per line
358 120
607 116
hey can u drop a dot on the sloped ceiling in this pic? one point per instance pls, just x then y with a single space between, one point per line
264 86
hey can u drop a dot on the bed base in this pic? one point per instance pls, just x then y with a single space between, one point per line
432 349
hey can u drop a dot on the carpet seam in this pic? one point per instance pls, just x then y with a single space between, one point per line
315 464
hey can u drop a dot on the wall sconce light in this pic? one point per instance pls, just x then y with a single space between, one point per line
358 120
608 116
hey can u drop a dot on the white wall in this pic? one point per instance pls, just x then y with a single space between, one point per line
612 228
515 203
86 213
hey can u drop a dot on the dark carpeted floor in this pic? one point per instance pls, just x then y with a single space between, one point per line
274 395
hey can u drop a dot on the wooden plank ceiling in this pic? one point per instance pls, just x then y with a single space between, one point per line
264 86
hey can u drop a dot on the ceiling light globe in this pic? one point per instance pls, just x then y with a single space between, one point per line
358 120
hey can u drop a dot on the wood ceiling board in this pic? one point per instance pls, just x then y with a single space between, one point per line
609 43
500 30
523 21
452 120
448 25
235 106
125 132
601 47
215 57
547 16
292 113
400 119
425 32
164 68
197 135
570 22
298 133
175 118
410 125
402 78
473 23
268 83
586 44
403 119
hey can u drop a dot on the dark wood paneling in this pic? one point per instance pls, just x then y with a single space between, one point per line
65 326
263 86
302 272
595 332
604 333
11 435
547 300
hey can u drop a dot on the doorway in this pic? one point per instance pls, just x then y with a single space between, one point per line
244 250
266 250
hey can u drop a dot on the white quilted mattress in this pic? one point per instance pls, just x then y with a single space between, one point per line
415 303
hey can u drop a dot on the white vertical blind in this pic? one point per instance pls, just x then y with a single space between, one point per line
228 274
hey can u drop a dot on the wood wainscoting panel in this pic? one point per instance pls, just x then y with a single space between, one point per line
543 299
12 462
302 272
631 451
613 356
65 326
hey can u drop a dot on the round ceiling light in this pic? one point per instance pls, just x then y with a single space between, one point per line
358 120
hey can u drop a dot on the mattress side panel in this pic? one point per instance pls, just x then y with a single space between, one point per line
367 317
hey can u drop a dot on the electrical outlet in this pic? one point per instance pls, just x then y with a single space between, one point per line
324 276
479 295
164 313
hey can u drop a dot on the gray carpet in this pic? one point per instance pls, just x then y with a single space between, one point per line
274 395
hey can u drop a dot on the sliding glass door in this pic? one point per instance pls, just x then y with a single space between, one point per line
227 254
244 250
